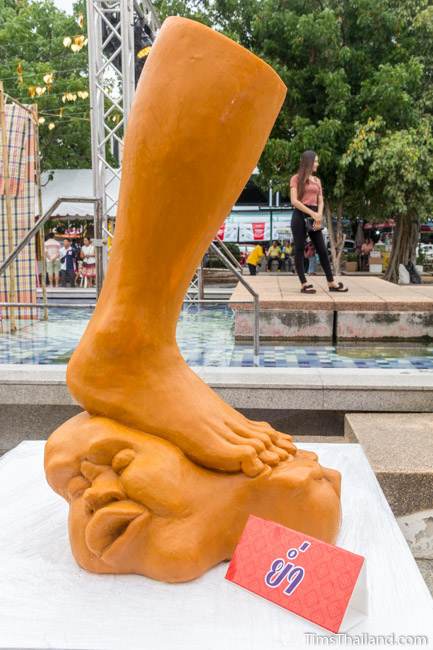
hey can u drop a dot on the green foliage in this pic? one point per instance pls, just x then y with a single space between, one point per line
421 258
394 91
31 35
186 8
358 74
396 166
234 249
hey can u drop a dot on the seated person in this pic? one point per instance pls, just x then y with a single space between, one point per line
286 252
274 254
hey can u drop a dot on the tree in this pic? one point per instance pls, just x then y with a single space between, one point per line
353 70
398 166
37 67
357 66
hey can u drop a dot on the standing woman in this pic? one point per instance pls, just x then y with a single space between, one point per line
89 261
307 198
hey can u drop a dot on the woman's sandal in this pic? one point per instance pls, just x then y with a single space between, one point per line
308 289
340 288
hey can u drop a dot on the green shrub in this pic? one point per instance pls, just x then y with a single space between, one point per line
351 257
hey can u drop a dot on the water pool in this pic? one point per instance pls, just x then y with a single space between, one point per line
205 337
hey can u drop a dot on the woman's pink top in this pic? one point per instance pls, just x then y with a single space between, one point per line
312 190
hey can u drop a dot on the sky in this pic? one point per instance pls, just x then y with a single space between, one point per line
66 5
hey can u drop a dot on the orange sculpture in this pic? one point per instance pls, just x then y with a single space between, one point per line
161 473
139 505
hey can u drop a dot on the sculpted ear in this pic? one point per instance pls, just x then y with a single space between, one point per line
110 524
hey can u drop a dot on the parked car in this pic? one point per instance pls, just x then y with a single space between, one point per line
349 246
425 249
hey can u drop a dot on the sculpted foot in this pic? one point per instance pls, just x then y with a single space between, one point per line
169 400
189 117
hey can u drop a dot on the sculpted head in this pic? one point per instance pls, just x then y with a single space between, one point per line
139 505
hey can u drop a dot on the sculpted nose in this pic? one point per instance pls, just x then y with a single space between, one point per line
106 488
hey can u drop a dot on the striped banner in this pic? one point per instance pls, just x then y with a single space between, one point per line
21 150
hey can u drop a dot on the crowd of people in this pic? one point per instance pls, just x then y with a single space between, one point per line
68 263
279 257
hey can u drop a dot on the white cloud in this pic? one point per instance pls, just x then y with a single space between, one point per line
65 5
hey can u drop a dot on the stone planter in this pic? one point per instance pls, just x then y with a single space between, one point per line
219 276
351 267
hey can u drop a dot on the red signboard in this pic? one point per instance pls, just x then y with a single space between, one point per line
320 582
259 231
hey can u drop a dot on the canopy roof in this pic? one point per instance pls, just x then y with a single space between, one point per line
74 182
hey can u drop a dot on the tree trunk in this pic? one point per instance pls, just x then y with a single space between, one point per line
404 245
336 235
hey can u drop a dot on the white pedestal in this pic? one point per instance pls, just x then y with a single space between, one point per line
47 601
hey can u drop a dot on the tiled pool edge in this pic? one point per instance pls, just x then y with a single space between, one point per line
205 336
259 388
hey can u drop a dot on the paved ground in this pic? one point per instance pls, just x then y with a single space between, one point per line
365 293
425 566
399 447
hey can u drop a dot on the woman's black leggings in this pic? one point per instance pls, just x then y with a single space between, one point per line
299 231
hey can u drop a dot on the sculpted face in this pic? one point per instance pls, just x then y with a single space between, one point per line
139 505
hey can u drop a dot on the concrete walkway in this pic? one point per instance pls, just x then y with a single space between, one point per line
372 309
364 293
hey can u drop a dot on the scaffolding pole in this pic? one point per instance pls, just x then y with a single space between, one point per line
110 27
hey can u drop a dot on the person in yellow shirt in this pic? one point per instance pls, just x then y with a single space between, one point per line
286 252
274 253
253 259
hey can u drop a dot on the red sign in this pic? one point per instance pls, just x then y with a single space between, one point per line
320 582
220 232
228 232
259 231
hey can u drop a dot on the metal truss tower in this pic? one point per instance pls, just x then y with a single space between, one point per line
117 30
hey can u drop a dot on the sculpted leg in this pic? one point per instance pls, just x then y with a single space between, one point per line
160 473
203 110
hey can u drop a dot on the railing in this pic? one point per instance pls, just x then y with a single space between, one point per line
230 262
248 287
229 254
227 257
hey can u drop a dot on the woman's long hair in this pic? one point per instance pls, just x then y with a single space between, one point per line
305 170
